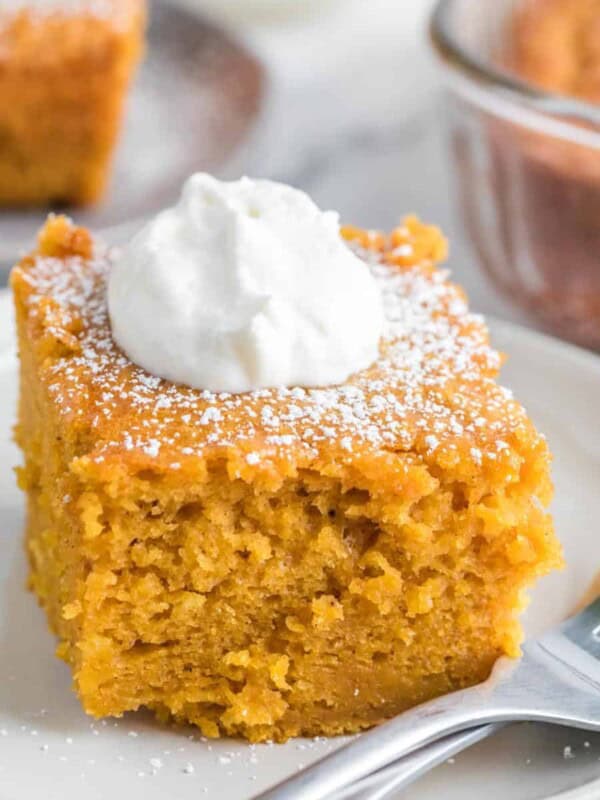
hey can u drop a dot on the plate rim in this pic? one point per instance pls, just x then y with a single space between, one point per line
582 359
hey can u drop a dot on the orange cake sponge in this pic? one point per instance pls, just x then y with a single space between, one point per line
287 561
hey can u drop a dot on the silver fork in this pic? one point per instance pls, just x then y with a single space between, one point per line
389 780
556 680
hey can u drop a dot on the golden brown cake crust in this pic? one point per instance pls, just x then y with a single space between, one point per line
286 561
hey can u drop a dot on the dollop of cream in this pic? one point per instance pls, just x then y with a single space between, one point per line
241 286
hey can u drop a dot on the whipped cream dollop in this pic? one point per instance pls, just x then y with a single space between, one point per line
241 286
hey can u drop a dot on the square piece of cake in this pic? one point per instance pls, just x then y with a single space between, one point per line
285 561
65 66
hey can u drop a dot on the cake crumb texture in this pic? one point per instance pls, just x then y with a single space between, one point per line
287 561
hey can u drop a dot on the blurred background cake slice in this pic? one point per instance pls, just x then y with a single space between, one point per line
65 67
556 46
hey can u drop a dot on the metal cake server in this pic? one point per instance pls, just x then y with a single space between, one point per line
556 680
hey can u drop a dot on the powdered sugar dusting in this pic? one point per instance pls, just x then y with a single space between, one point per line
101 8
117 12
432 390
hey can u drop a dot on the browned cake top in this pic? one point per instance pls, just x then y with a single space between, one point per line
432 391
105 9
556 45
47 31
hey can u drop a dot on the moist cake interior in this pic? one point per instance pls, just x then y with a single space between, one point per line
289 561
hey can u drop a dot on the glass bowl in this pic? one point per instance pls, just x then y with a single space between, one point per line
528 170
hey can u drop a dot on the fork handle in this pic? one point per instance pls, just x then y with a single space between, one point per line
396 738
381 784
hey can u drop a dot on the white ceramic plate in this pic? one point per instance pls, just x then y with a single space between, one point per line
192 105
49 749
